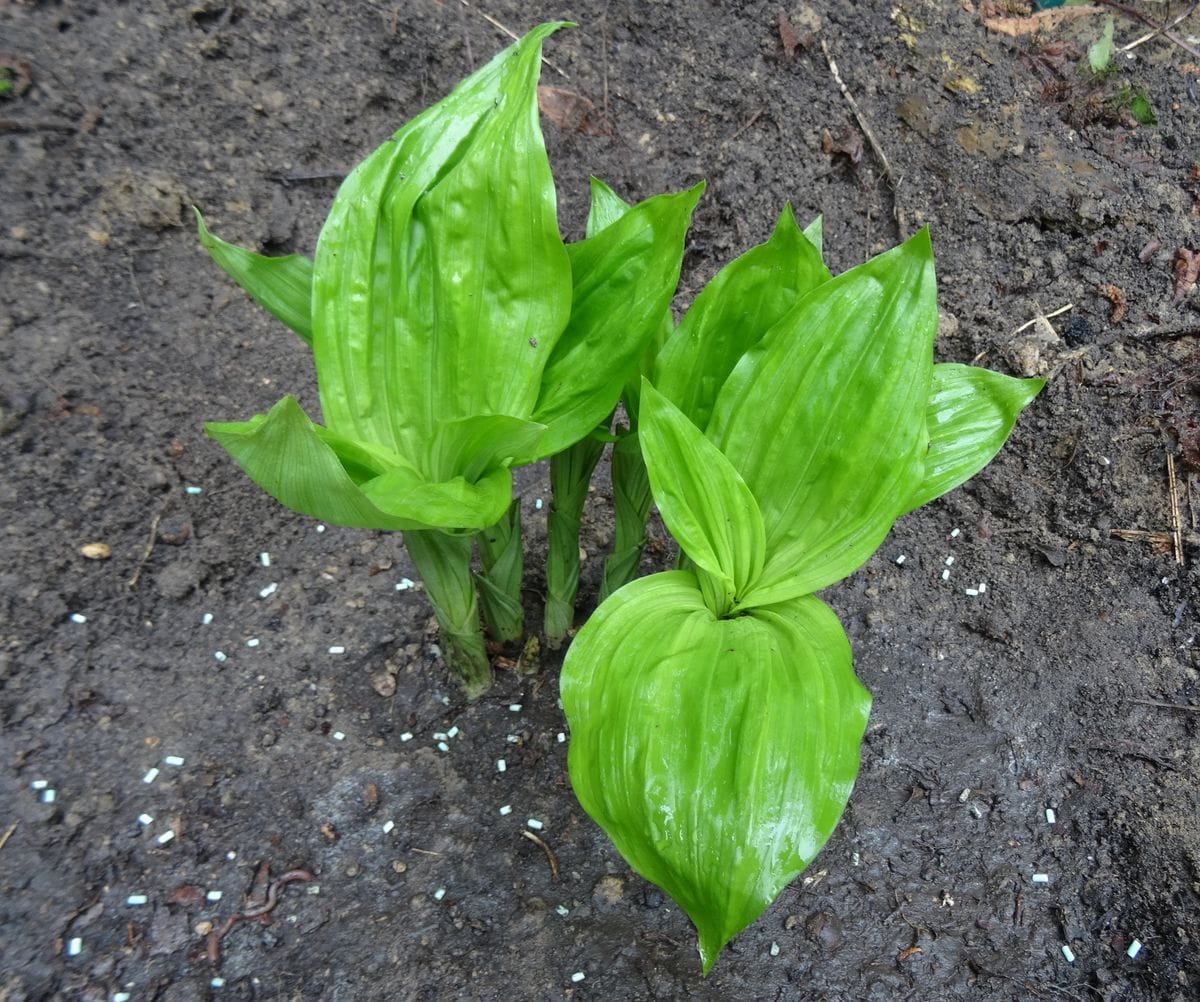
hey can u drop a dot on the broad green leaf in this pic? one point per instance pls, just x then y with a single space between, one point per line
301 465
703 500
717 754
624 278
281 285
1099 53
503 566
814 232
471 446
971 412
606 207
631 508
441 284
741 303
825 418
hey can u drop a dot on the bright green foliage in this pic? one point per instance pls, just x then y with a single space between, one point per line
454 334
714 711
1099 53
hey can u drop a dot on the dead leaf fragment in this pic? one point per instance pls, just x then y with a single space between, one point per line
904 954
848 141
1186 268
1115 295
573 112
994 14
787 35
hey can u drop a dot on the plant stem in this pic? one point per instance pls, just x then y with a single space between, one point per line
570 473
500 580
631 499
444 563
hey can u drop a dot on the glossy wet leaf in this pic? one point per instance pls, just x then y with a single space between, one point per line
718 754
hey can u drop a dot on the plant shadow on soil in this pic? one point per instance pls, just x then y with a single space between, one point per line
1069 684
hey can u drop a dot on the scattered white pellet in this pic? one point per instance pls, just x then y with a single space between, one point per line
151 775
78 617
49 796
145 819
175 760
231 855
213 896
216 983
1068 954
221 656
439 735
206 619
312 889
950 561
512 739
264 558
439 894
1134 949
442 746
320 528
561 737
135 900
75 947
535 824
563 910
166 836
1041 878
1105 461
388 826
38 784
269 590
578 976
514 707
121 997
537 503
774 949
452 733
1051 817
337 649
339 736
193 490
965 795
954 533
982 587
900 559
971 591
253 642
501 765
506 810
437 653
406 736
404 584
946 574
856 859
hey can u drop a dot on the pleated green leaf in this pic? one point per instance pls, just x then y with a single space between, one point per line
825 418
717 754
703 500
441 284
970 414
624 278
281 285
320 474
732 313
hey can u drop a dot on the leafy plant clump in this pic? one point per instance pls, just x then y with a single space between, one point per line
781 427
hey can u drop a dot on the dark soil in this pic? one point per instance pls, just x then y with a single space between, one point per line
1070 684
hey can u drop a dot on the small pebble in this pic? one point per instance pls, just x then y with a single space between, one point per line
1134 949
506 809
150 776
1068 954
166 836
213 896
535 824
78 617
231 855
75 947
134 900
501 765
337 649
774 949
512 739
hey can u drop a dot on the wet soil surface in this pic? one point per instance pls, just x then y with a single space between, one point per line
1027 807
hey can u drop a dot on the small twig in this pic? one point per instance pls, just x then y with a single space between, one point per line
8 834
1149 22
749 122
291 176
1158 31
41 125
863 124
546 849
1187 330
1044 316
1167 706
511 34
149 548
426 852
1176 525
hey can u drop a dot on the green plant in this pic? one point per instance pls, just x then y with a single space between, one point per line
1099 53
455 336
714 711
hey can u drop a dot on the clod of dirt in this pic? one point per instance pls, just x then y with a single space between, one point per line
178 579
608 891
146 198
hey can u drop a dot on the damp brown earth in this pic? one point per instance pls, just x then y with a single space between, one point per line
1025 825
